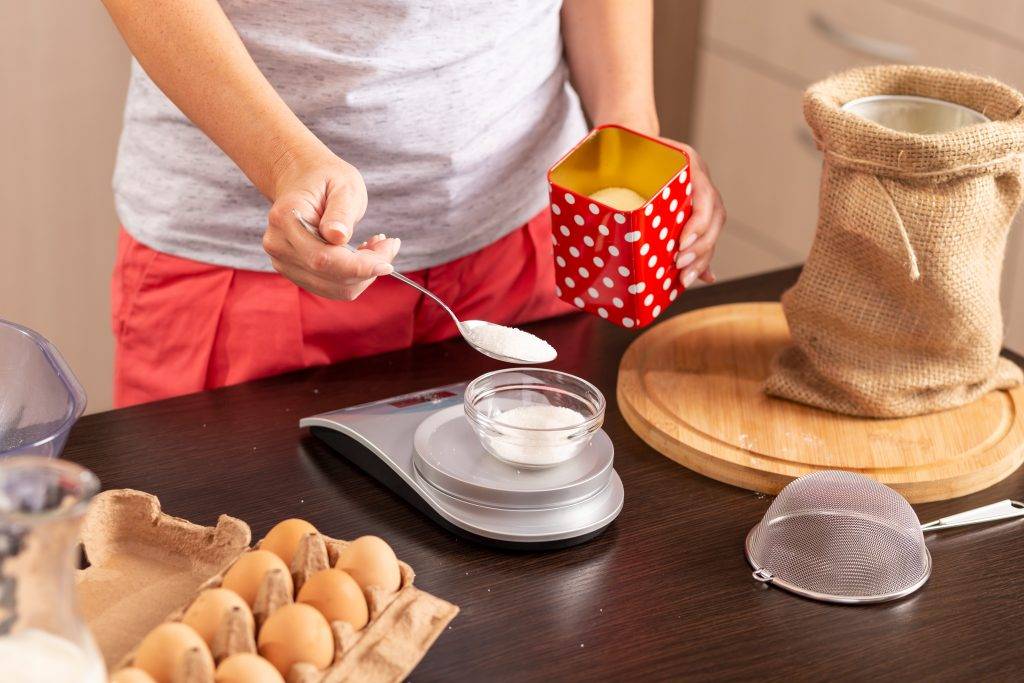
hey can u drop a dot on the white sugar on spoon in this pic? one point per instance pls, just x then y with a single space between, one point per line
503 342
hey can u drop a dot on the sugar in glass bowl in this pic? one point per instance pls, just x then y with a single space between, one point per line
533 418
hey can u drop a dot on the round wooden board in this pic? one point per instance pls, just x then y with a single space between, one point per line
692 389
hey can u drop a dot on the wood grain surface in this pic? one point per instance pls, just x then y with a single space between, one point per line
692 389
664 594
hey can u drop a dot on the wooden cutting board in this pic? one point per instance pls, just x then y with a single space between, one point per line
691 388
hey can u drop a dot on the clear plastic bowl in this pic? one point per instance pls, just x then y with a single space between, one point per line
489 396
40 398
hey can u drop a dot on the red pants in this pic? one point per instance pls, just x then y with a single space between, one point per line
182 326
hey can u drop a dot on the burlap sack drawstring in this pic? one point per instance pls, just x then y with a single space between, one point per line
897 310
915 271
901 229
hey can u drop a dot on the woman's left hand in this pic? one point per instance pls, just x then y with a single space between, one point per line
699 235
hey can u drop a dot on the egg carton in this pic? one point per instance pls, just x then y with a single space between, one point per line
146 567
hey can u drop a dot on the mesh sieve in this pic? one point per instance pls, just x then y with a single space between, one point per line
840 537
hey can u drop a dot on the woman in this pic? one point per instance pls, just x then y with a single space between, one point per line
430 121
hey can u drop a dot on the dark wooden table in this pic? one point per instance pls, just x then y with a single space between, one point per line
665 593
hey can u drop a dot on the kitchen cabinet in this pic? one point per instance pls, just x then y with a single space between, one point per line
754 61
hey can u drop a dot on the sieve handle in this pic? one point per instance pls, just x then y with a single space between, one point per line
1005 509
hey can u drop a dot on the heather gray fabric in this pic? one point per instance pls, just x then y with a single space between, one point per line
452 111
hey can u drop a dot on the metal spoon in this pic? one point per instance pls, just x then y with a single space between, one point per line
465 327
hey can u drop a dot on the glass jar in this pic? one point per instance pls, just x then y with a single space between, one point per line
42 635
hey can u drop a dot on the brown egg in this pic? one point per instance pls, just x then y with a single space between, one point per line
283 540
337 596
131 675
296 633
210 608
371 562
247 572
246 667
162 650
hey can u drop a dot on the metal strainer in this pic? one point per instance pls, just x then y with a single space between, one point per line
842 537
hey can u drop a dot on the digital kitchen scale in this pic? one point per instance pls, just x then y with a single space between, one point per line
421 446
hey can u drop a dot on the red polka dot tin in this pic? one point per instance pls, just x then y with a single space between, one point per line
619 265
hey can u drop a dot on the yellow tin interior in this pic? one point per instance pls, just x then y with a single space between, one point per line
616 157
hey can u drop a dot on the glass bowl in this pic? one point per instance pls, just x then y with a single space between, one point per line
40 398
525 416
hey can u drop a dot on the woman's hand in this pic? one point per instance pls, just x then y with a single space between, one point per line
699 235
330 193
609 47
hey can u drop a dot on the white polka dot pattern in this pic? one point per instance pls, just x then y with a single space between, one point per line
613 264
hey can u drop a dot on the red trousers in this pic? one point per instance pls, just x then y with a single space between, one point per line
182 326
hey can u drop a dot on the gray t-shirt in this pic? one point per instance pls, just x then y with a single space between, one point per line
452 111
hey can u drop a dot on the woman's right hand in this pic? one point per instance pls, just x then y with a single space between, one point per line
330 193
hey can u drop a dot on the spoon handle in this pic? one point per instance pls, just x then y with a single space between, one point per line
312 230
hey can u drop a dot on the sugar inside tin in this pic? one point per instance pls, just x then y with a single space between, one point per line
619 264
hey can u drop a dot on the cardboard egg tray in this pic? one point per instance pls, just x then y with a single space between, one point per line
146 567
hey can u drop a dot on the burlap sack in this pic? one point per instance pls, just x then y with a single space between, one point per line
897 310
